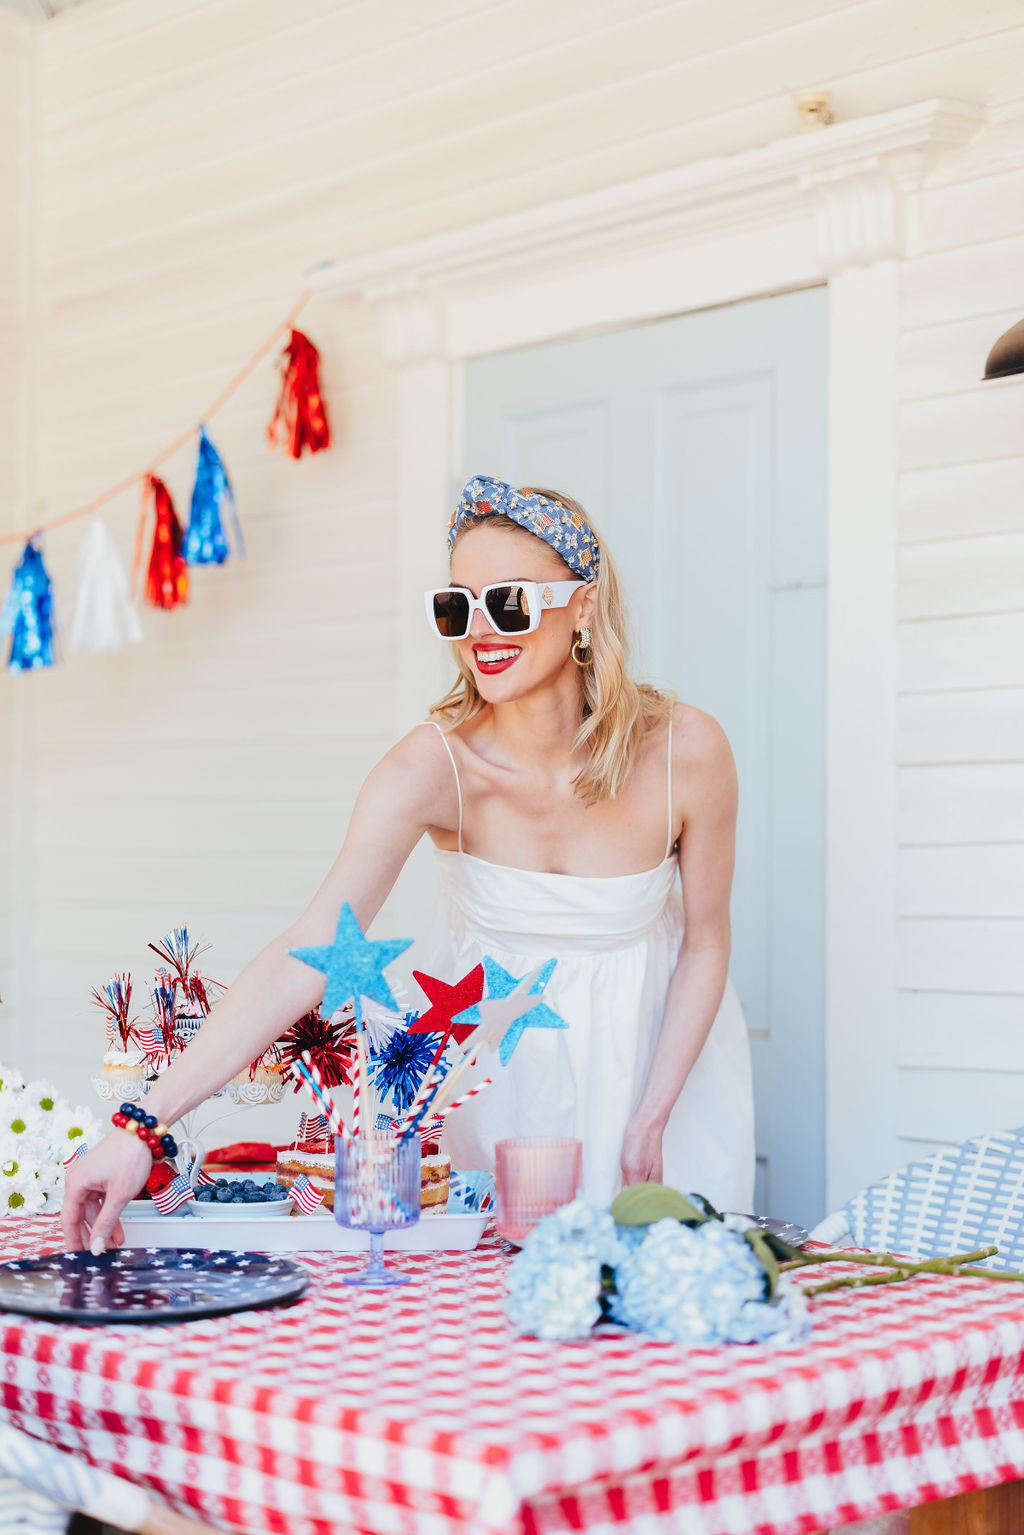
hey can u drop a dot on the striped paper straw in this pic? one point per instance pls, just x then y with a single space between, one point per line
412 1122
356 1122
432 1081
314 1085
470 1093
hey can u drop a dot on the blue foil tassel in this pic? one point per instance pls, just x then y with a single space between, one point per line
27 613
205 543
398 1070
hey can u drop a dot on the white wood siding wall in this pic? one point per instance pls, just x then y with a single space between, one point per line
960 618
16 63
196 157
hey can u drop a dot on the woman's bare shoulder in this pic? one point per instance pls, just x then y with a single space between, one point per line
420 756
701 753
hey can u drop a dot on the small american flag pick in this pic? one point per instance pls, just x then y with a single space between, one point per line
305 1195
79 1151
314 1129
173 1196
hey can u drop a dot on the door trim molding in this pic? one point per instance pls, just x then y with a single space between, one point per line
823 207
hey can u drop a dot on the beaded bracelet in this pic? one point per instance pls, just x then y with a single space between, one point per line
133 1118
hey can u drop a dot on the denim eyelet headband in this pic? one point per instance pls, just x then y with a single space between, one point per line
569 534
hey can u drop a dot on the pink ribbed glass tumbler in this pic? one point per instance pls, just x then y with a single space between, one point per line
534 1175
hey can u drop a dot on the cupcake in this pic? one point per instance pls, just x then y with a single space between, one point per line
435 1172
260 1082
124 1068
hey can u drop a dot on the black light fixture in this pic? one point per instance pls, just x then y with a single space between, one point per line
1007 356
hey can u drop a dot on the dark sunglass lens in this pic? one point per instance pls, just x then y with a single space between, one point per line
451 614
509 606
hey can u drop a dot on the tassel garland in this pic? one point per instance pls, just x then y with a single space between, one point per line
167 577
106 608
205 543
105 617
300 416
27 613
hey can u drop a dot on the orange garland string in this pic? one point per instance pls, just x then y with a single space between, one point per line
141 475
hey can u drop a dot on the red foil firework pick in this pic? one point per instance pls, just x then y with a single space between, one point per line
331 1043
167 575
180 955
116 999
300 416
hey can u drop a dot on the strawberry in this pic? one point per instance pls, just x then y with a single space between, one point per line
160 1176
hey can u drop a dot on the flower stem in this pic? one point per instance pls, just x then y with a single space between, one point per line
955 1265
856 1281
890 1260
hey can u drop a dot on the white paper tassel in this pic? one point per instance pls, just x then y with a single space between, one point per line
105 617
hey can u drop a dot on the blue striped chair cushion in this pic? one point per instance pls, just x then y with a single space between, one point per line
955 1200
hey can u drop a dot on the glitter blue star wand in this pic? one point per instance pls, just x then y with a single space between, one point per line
354 966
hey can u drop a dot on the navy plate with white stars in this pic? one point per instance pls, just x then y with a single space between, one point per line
147 1284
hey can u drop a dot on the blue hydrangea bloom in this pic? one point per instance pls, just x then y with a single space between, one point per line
555 1281
698 1286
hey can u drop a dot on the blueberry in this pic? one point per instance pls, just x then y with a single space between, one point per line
205 1196
253 1197
248 1184
223 1196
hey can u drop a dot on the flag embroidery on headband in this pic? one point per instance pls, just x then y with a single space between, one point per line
171 1198
79 1151
566 531
305 1195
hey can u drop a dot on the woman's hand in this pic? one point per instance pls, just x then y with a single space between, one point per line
97 1188
641 1153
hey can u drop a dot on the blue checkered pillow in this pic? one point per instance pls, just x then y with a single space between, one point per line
964 1197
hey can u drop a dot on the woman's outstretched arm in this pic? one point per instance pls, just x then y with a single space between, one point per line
704 779
410 789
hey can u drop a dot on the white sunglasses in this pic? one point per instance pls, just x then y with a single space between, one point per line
510 607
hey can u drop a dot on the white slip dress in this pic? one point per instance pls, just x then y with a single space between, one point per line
616 940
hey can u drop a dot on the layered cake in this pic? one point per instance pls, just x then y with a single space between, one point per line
317 1166
435 1173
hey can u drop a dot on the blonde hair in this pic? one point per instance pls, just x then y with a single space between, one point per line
616 712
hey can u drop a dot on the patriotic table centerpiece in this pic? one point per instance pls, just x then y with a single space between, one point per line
408 1071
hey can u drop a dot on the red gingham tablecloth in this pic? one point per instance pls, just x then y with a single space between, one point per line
417 1411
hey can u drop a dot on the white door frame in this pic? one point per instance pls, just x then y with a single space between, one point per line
829 207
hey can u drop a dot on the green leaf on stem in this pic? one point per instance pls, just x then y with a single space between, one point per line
641 1204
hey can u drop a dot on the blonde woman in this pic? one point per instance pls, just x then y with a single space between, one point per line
564 799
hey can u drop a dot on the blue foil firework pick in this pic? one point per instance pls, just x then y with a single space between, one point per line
27 613
398 1070
205 543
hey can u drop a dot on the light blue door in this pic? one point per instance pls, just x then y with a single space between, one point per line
699 446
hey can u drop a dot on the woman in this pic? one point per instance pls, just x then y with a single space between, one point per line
563 798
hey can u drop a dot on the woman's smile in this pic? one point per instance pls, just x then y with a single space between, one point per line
492 659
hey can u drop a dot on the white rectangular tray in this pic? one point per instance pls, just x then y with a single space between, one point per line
301 1233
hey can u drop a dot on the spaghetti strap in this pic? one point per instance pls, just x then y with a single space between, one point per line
671 839
455 769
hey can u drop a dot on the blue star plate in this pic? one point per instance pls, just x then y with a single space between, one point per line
147 1284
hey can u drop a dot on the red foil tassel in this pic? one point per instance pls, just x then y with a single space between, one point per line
300 416
167 576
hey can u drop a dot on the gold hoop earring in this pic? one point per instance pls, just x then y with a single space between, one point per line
583 643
